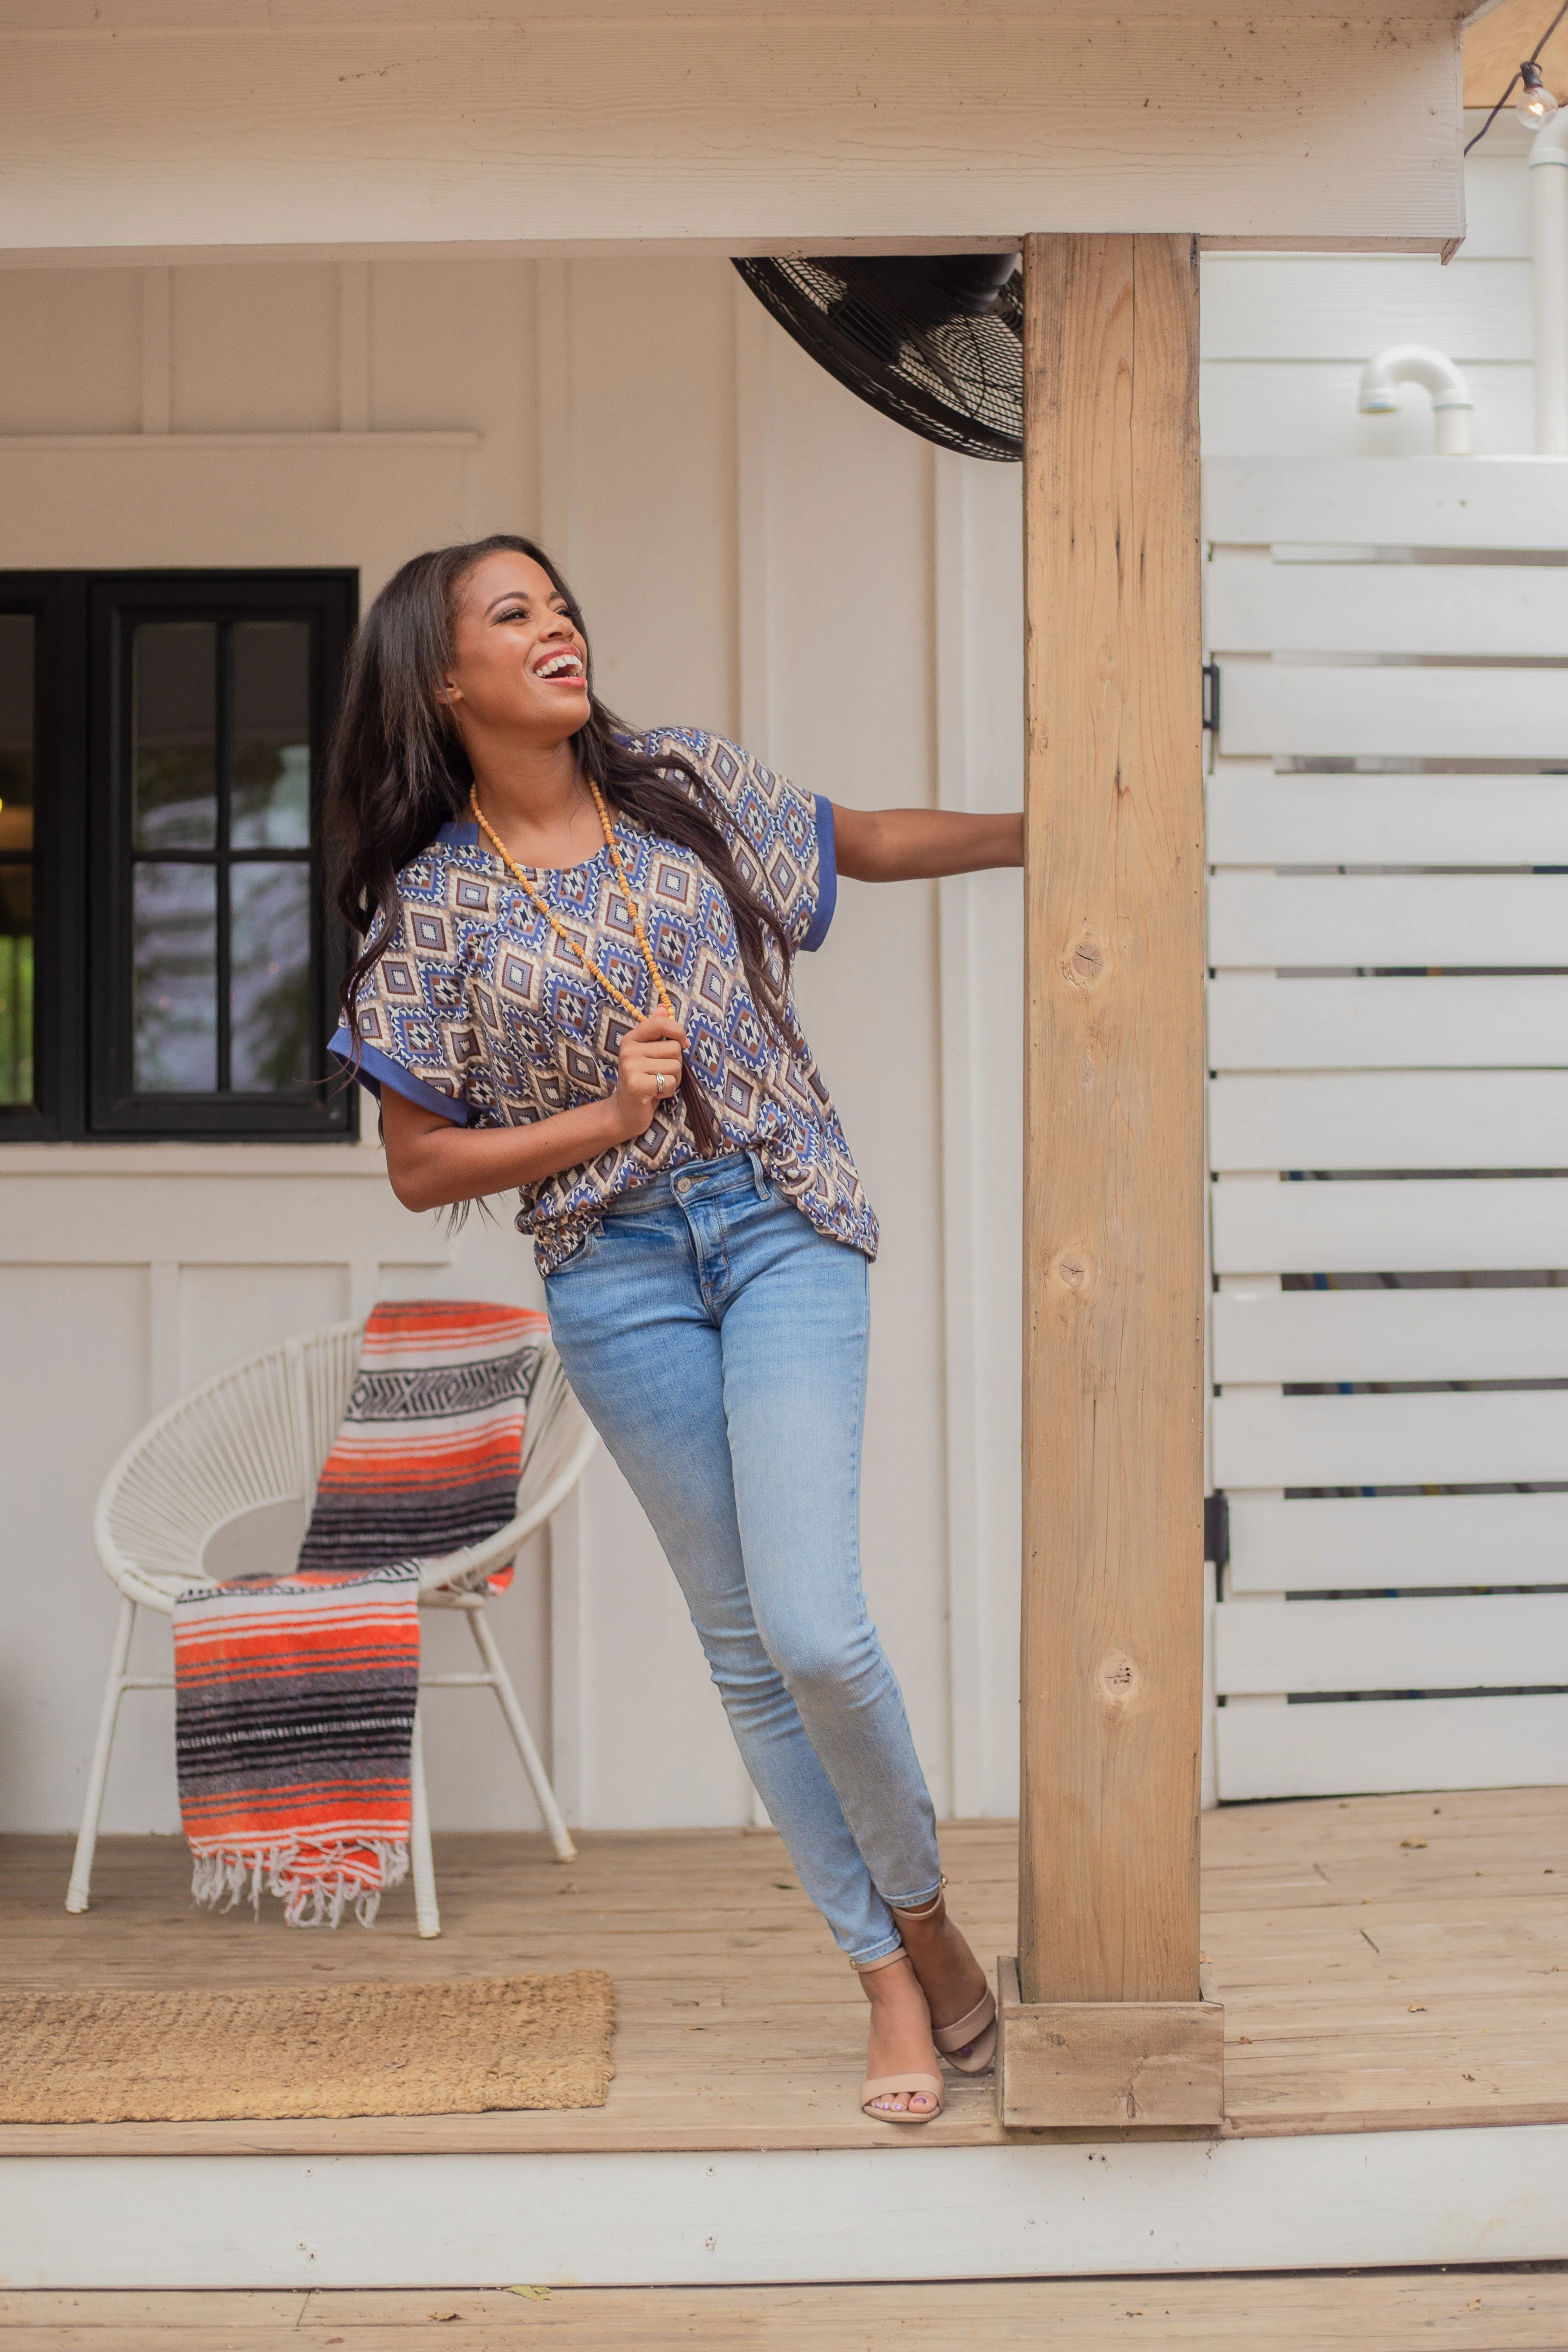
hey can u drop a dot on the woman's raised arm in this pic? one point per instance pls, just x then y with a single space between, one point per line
918 844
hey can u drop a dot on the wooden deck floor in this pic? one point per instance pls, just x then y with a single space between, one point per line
1387 1963
1437 2311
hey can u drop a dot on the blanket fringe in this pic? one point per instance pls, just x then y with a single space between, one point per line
316 1883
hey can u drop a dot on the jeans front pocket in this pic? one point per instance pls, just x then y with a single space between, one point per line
585 1250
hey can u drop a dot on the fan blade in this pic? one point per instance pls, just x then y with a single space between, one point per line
933 340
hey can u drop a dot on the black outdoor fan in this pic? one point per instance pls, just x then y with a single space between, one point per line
933 341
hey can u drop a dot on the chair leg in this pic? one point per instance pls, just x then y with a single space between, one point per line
428 1918
98 1770
517 1724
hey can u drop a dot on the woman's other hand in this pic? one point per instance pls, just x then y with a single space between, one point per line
649 1052
433 1163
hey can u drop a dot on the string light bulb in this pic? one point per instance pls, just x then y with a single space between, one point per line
1535 103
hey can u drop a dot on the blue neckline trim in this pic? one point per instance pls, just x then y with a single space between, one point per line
458 836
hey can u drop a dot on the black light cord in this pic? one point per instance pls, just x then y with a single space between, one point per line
1531 60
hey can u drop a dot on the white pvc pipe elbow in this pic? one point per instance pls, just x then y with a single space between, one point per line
1452 407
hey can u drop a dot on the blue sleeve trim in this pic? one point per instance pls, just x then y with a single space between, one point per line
827 876
376 1069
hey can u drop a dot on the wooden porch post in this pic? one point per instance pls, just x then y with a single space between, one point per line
1103 2022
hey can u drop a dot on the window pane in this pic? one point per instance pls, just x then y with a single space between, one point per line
269 993
17 1078
173 728
175 999
271 753
16 731
16 984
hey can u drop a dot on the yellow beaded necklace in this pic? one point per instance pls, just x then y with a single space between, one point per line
559 928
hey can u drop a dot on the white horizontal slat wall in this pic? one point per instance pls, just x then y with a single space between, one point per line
1513 1333
1499 1021
1347 507
1431 1541
1334 710
1388 1121
1442 1224
1369 1118
1255 818
1255 604
1339 1748
1465 1643
1431 1438
1388 918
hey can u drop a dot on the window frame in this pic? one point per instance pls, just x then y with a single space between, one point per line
57 602
83 855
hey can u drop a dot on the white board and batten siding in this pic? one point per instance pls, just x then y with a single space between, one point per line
308 413
1388 1121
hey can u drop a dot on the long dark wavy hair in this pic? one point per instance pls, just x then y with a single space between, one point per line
397 772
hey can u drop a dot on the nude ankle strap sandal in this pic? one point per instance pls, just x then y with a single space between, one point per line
969 2044
887 2086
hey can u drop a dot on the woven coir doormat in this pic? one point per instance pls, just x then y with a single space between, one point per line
450 2049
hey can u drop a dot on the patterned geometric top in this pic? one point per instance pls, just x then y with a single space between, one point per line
479 1011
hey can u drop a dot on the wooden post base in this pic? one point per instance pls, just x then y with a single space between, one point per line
1108 2062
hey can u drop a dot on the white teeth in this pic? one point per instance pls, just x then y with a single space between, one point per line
558 664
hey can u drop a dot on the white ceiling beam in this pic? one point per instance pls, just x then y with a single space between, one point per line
152 133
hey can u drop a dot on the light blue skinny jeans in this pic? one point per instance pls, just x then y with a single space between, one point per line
718 1344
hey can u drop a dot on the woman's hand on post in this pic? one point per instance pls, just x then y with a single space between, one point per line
649 1052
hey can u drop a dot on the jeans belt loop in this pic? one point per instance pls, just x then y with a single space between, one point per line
759 1174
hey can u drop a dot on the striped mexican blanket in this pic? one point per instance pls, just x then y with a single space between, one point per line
294 1696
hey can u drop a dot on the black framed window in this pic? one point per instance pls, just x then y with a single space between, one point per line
18 961
160 752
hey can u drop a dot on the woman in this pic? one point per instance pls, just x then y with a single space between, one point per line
576 983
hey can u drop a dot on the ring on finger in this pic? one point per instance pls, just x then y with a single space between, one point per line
660 1082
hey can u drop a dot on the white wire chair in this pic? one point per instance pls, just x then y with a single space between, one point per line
258 1433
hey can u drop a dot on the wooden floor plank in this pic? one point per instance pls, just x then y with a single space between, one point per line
1385 1963
1441 2311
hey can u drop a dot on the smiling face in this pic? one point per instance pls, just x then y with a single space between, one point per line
518 665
